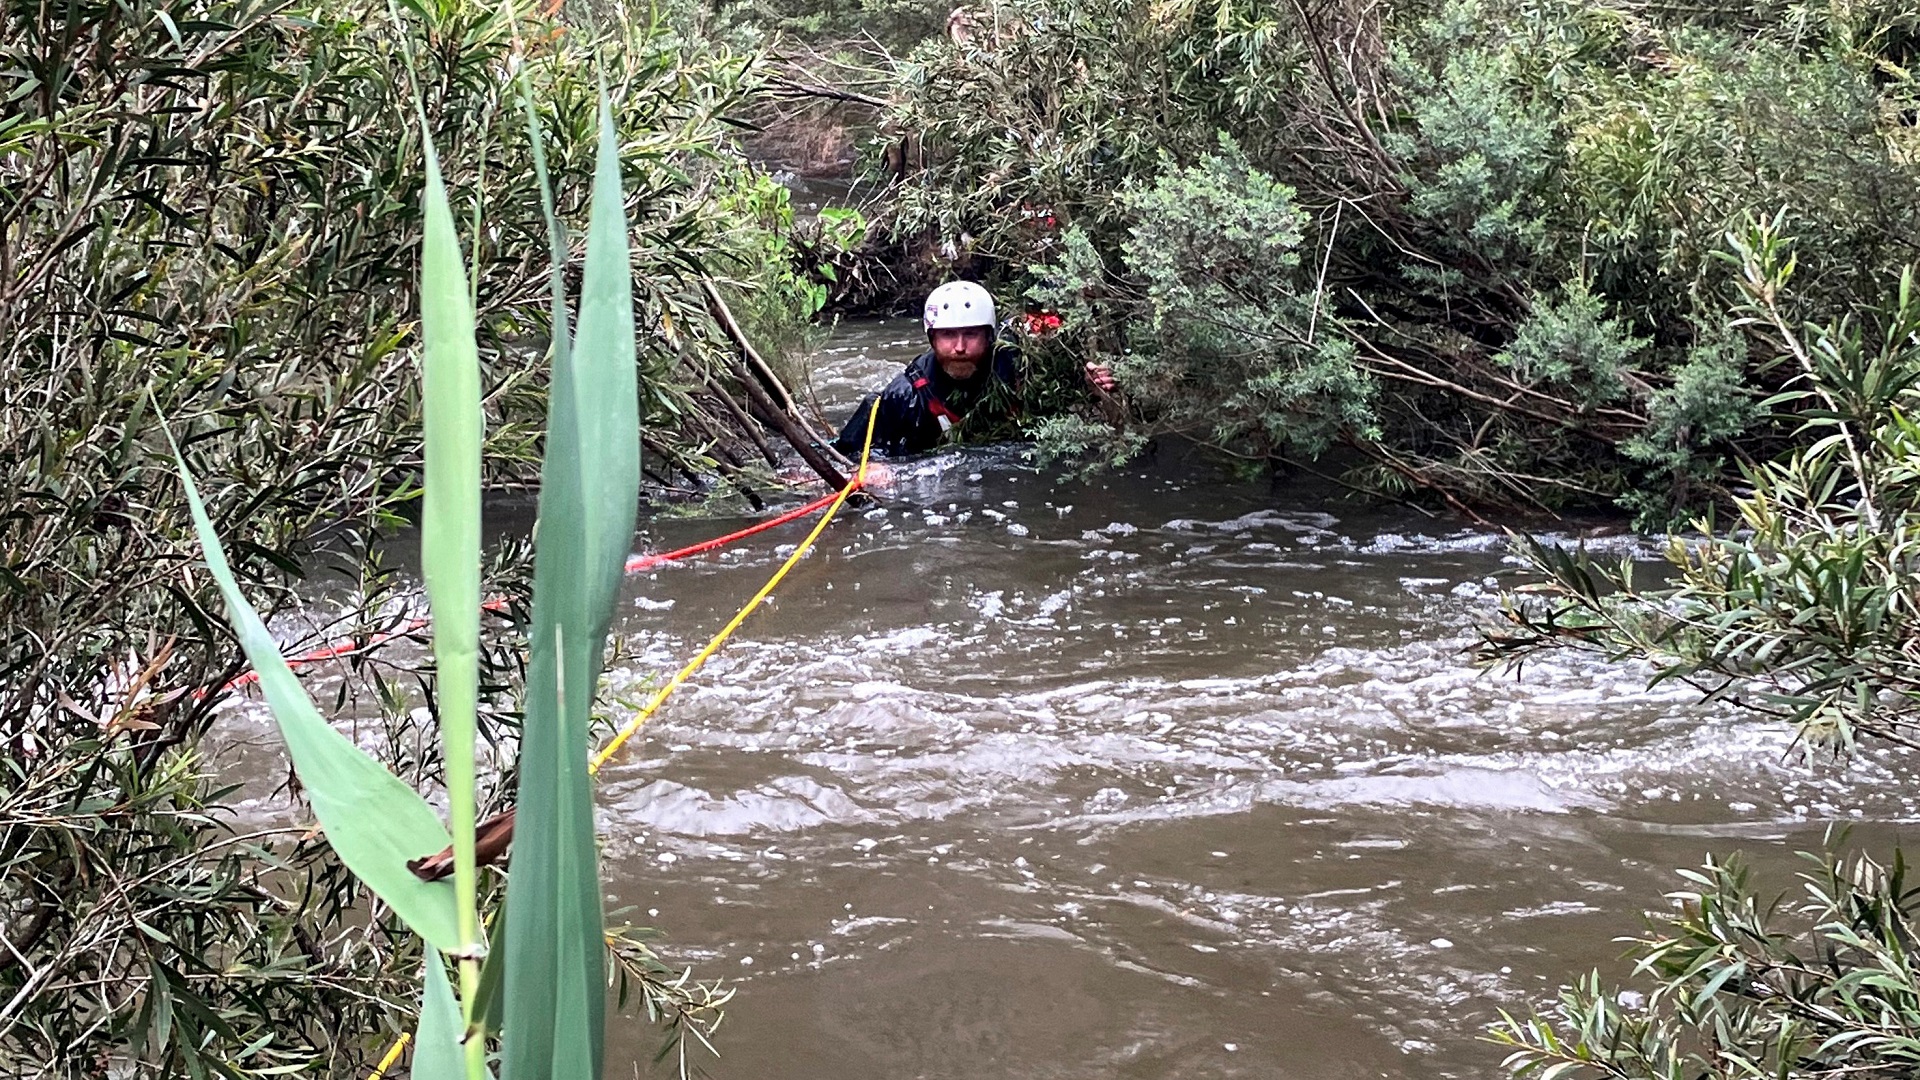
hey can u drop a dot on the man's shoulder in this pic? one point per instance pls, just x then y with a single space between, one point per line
908 383
918 372
919 367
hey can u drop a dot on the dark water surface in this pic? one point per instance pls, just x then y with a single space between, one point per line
1154 776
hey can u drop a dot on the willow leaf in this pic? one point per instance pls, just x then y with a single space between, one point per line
374 822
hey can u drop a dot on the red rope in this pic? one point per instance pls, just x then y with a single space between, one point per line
339 648
635 565
647 562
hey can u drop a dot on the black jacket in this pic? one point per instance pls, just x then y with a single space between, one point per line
920 404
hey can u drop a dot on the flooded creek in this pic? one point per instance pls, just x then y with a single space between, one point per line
1106 788
1154 775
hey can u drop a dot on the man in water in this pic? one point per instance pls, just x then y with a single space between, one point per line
962 368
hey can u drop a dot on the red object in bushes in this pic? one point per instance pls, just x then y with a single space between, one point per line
1043 323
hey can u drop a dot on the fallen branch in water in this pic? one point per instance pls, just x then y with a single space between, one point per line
1418 479
768 398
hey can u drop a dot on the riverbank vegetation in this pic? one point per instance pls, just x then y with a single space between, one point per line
1800 608
212 214
1470 244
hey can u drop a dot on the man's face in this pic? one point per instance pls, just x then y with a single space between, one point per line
960 351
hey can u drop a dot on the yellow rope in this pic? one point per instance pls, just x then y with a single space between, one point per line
393 1055
719 639
726 631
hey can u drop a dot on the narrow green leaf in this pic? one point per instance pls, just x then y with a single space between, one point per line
450 520
437 1054
556 232
554 1019
493 977
606 389
374 822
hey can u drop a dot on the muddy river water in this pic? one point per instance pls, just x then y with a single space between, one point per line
1156 775
1151 776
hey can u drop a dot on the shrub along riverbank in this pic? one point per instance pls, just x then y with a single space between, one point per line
210 211
1474 242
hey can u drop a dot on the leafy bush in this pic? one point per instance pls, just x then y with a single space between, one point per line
891 24
1803 610
1674 148
1052 108
210 211
1707 407
790 267
1750 986
1454 164
1221 318
1477 141
1574 347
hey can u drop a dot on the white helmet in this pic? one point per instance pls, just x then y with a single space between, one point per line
957 304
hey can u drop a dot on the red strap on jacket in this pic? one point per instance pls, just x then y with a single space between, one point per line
935 405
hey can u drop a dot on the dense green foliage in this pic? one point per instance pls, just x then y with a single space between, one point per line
1805 607
1804 610
210 211
1217 249
1500 217
852 24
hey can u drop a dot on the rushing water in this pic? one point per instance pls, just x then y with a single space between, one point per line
1153 776
1157 775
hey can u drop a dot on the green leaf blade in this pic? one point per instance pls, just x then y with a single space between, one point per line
607 389
374 822
437 1053
450 522
555 1018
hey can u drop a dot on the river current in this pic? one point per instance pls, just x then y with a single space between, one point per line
1156 775
1159 774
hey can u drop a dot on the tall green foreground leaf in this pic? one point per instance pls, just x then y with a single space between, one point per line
437 1053
553 1028
450 517
606 393
374 822
450 551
